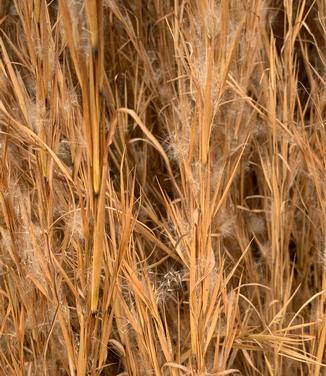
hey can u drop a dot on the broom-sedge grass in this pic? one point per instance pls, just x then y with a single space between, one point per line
162 187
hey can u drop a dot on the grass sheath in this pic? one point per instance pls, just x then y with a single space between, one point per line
98 244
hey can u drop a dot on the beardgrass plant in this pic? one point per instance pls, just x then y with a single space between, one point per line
162 187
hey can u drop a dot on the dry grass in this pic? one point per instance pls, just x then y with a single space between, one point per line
163 192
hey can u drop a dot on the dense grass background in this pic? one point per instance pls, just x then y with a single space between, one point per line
162 187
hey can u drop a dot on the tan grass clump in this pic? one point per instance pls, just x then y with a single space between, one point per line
162 187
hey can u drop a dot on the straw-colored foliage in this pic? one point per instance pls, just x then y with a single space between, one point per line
162 187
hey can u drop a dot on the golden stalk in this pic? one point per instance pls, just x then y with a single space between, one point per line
98 245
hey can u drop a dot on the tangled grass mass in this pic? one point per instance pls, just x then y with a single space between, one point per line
162 187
